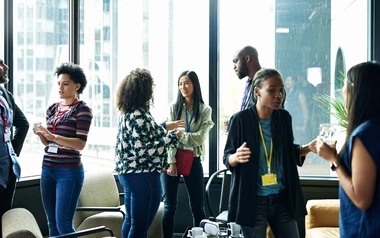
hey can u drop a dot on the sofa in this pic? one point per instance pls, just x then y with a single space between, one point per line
322 219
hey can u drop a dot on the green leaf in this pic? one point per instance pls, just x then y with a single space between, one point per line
334 106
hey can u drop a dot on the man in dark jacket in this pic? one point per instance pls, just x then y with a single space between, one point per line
11 142
246 64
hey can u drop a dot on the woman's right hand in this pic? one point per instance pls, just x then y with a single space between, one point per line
326 151
178 133
39 132
241 156
172 170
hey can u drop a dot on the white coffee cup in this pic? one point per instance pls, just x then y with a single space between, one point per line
195 231
181 129
234 228
35 126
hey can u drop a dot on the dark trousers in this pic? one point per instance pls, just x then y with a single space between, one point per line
195 190
273 209
6 196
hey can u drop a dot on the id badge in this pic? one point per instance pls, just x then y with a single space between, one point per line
269 179
53 148
7 135
187 148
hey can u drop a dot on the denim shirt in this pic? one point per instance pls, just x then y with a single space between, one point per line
8 157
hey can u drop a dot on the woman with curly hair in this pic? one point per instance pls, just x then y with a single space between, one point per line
141 151
65 135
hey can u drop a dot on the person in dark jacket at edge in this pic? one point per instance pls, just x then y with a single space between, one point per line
11 142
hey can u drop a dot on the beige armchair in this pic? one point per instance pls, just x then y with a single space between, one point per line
99 205
20 223
322 219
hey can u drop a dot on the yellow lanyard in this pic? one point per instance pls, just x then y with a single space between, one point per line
269 160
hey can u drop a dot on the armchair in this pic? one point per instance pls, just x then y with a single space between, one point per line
20 223
322 219
99 205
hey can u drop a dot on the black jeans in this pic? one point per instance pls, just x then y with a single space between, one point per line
195 190
275 210
6 195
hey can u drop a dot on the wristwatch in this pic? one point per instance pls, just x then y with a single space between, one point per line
334 166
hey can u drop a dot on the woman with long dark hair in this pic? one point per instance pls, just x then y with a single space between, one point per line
191 108
358 162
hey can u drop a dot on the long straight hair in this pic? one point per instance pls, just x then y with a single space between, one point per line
197 96
363 83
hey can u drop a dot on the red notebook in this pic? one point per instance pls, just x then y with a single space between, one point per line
184 160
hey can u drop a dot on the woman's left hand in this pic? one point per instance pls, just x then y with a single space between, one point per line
171 125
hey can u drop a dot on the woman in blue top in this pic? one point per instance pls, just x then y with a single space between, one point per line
356 165
141 151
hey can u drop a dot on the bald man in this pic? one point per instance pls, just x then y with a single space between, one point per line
246 64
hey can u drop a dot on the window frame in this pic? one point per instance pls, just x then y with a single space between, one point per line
6 7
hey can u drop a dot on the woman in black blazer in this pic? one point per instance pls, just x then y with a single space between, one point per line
263 159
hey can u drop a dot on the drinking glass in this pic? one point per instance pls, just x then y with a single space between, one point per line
328 133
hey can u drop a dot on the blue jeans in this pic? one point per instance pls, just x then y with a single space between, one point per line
273 209
195 190
142 197
60 190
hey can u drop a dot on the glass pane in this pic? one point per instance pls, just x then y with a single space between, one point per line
117 37
301 40
2 29
40 44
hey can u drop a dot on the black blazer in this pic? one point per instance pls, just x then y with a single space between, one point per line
20 123
243 127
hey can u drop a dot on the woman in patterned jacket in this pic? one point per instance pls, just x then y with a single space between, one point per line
141 151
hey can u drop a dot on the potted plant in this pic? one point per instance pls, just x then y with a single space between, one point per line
334 105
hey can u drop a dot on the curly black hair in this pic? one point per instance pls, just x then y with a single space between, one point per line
75 72
135 91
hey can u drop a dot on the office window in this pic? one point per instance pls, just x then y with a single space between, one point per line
301 40
157 35
310 39
43 52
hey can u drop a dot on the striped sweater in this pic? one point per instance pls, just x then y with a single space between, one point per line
74 123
